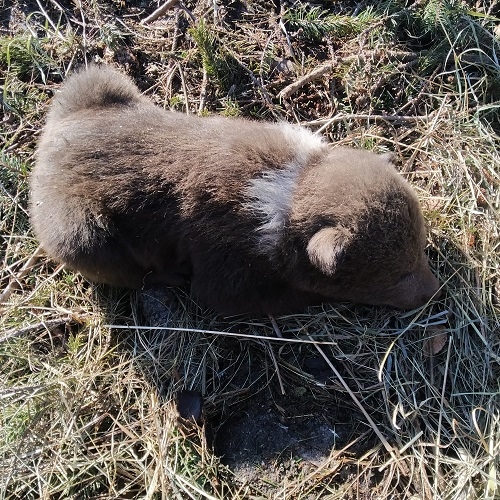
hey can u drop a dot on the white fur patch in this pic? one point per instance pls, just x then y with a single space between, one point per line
270 196
302 140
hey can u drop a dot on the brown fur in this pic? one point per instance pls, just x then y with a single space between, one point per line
261 218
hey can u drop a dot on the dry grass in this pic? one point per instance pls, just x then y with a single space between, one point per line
87 409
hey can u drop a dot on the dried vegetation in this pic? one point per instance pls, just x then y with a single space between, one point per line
341 401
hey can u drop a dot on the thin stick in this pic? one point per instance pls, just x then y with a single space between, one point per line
326 122
276 367
160 11
285 32
275 326
18 332
203 92
15 281
280 335
304 80
176 31
330 65
184 89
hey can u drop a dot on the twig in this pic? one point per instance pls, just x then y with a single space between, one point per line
169 77
84 33
285 32
304 80
330 65
17 332
175 36
15 281
276 328
216 11
160 11
188 12
280 335
326 122
276 368
203 92
184 89
262 59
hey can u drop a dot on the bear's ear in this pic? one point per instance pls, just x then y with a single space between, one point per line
326 248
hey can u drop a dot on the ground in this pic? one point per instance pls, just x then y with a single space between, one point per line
99 385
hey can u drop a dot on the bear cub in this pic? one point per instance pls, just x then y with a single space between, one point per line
259 217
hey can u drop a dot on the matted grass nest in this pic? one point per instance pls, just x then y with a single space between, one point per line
340 401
